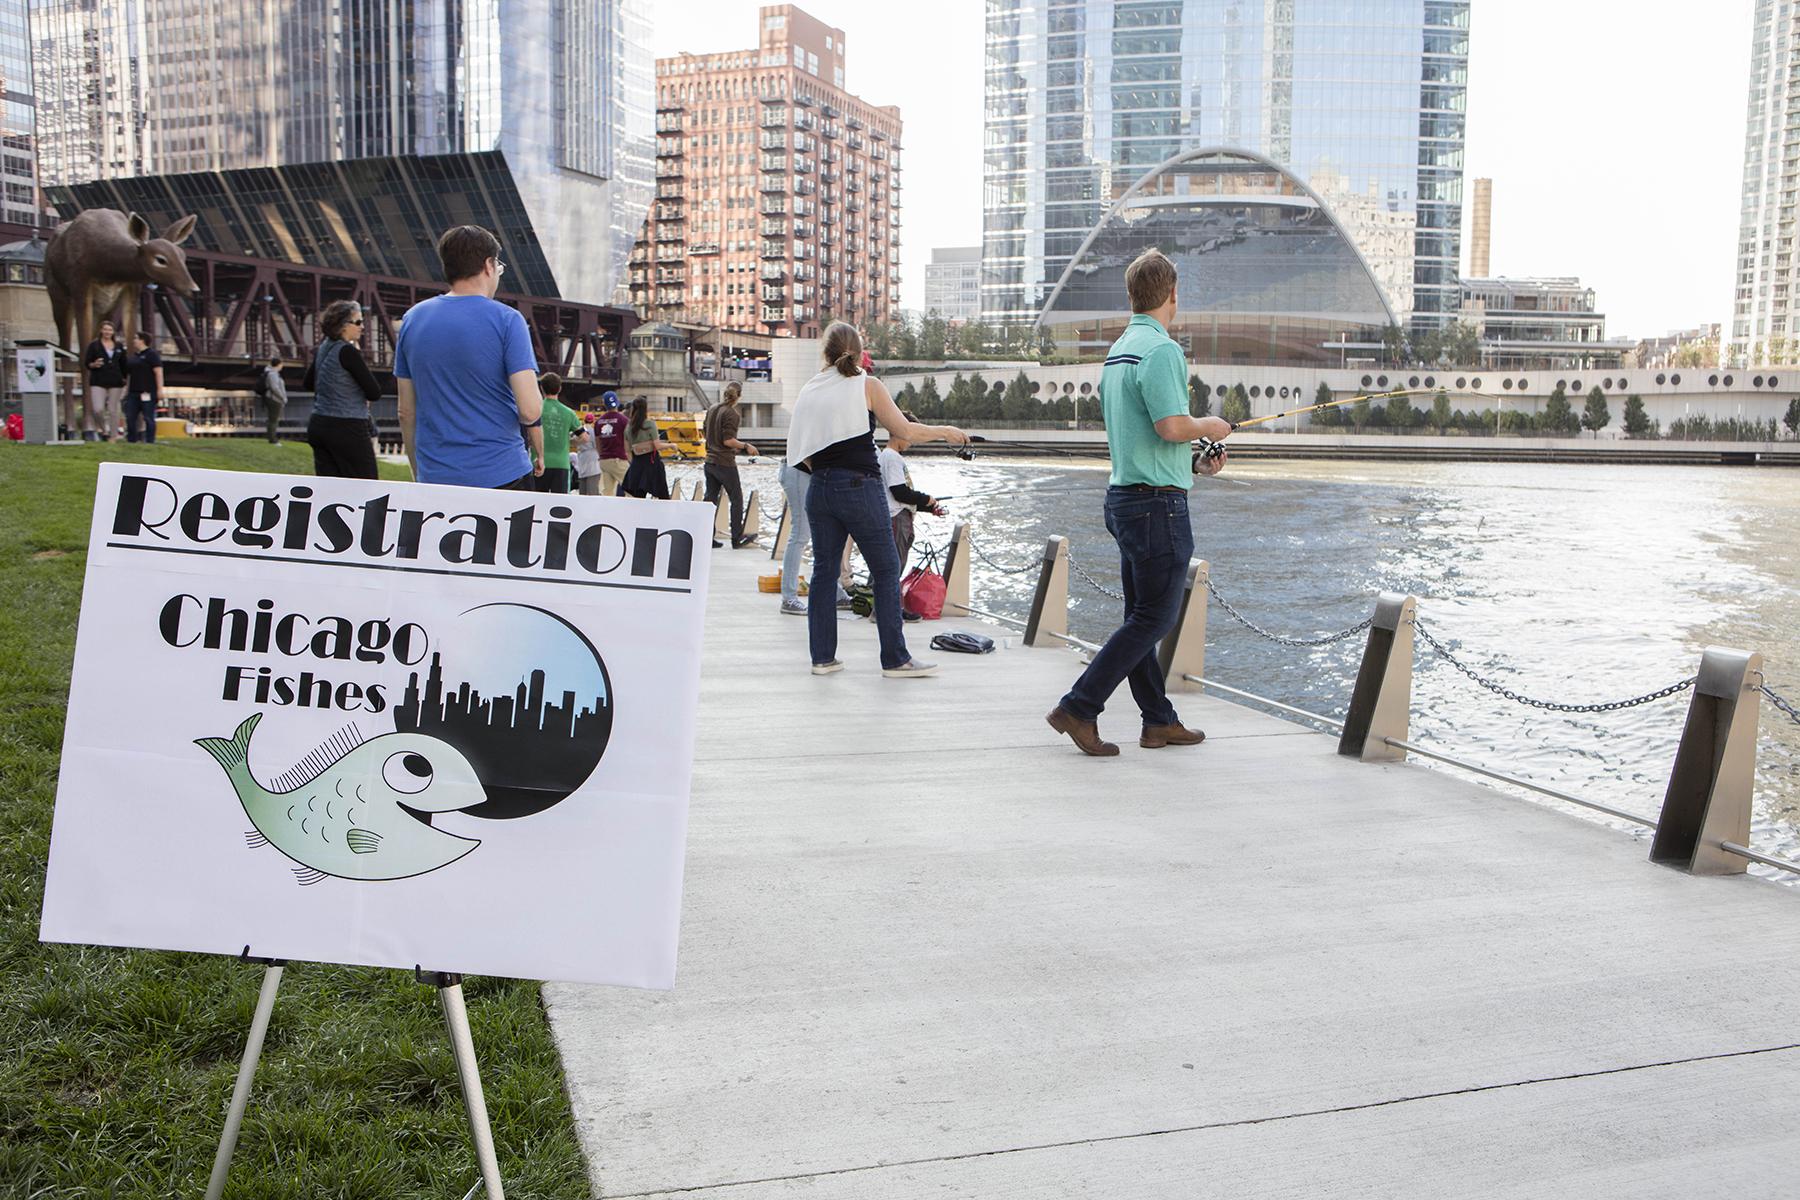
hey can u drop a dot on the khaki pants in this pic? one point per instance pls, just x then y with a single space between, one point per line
612 474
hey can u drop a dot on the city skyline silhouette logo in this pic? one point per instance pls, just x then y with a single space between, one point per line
524 696
511 715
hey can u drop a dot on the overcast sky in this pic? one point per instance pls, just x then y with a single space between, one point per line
1613 131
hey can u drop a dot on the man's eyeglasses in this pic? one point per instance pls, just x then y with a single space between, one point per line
499 268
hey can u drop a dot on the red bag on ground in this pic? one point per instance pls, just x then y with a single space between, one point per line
15 427
922 591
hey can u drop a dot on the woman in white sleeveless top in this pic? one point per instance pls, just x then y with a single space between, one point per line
832 438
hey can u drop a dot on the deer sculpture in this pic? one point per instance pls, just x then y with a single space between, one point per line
100 261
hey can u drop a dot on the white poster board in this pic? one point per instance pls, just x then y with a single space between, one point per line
36 367
381 723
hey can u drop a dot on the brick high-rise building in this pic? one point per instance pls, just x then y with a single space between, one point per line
777 192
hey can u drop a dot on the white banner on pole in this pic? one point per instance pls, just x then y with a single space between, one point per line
381 723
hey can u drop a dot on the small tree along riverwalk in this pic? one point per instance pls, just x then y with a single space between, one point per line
929 949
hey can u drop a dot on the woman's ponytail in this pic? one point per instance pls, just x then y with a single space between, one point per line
843 349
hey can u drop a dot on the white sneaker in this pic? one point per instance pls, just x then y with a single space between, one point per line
910 669
794 608
828 668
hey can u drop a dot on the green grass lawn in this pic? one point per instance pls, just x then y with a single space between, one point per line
116 1065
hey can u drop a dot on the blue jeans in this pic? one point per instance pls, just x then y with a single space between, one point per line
848 504
793 486
1156 541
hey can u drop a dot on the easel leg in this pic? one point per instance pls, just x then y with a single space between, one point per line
240 1093
456 1020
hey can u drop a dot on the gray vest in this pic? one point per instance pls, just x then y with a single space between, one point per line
335 394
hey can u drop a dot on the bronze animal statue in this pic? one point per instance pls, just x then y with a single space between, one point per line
100 261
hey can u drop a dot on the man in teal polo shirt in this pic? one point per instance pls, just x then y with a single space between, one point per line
1144 398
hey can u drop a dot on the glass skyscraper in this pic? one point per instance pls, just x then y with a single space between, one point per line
1765 325
1362 100
348 132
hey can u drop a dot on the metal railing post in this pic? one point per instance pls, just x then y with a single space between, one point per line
1381 704
782 529
752 515
1708 801
956 569
1050 603
1183 652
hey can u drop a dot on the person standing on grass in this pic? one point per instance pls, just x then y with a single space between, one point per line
271 391
144 375
902 498
468 377
722 449
1144 397
343 387
609 439
832 437
105 360
560 424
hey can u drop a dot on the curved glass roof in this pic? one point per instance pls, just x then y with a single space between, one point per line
1263 263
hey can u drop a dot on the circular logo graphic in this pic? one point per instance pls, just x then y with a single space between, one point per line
524 696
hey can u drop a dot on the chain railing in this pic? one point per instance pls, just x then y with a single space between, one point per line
1327 640
1000 567
1781 702
1092 582
1501 690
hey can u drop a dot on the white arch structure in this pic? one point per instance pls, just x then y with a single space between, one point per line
1249 158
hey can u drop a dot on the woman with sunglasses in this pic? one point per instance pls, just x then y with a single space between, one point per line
340 431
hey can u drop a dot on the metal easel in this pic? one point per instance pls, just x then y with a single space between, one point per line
462 1045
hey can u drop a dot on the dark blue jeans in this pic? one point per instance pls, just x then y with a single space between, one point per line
844 504
1155 543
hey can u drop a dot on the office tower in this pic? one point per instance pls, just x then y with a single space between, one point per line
350 133
777 191
18 118
1361 100
953 283
1762 329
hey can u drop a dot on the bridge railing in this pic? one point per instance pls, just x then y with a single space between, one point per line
1703 826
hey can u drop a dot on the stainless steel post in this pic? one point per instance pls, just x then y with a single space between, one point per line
956 569
456 1020
240 1092
783 528
1182 654
1708 800
1050 603
1381 704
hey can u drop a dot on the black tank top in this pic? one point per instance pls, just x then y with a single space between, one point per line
852 454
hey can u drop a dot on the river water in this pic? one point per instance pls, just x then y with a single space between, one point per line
1570 583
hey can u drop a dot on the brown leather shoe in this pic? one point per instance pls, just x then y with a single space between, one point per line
1085 734
1155 737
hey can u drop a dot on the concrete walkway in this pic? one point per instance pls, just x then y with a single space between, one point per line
930 950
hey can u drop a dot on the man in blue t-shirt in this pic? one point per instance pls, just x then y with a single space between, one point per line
467 376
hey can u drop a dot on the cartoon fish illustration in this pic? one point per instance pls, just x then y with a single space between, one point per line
356 810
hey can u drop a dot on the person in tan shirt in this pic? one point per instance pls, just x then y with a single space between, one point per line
722 449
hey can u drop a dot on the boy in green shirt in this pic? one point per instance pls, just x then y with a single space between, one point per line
560 424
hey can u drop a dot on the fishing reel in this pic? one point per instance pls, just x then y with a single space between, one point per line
1206 450
966 451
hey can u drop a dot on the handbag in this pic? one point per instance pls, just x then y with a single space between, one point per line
923 589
